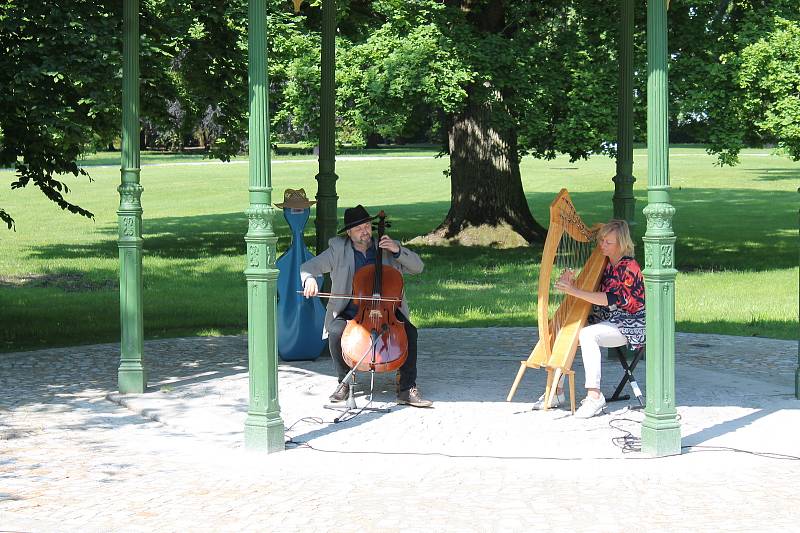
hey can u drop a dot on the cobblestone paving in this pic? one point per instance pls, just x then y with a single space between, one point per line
173 460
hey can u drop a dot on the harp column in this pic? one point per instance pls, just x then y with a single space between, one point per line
263 428
325 220
661 432
624 201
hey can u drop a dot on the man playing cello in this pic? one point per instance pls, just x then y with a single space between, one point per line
345 255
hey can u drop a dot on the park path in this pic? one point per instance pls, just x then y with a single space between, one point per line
77 456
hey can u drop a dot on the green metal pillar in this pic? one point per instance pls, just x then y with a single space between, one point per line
131 377
325 222
624 202
661 432
263 429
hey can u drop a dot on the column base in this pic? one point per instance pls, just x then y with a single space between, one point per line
797 384
264 434
131 379
661 437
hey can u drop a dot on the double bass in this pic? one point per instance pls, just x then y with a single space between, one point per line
375 330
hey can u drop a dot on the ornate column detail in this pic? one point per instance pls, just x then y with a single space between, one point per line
131 376
263 428
325 221
661 433
624 201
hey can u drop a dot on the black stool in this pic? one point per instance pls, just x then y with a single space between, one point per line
624 353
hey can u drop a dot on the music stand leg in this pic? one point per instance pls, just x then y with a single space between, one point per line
351 405
351 393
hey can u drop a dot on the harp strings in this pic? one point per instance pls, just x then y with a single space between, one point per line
571 255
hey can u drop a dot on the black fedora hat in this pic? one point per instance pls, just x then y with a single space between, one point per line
355 216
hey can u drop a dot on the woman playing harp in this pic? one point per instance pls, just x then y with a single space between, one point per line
570 244
618 316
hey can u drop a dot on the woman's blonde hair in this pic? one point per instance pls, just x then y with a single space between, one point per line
620 228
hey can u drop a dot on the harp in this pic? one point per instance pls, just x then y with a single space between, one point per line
570 244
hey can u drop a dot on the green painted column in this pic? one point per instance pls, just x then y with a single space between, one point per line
797 372
661 432
131 377
325 221
263 429
624 201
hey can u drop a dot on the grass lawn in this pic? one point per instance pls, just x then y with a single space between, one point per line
736 250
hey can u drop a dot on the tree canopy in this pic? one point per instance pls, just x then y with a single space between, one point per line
735 74
533 78
60 76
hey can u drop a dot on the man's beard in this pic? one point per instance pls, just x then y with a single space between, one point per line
365 241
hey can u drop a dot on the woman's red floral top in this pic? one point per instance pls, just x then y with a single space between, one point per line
624 285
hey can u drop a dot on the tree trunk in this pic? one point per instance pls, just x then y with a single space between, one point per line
373 139
487 202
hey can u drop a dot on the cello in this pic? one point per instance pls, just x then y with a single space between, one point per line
375 339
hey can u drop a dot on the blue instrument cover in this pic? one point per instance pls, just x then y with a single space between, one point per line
300 319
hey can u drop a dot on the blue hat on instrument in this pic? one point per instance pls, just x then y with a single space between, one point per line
355 216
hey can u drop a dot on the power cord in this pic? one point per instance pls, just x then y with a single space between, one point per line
627 443
768 455
314 419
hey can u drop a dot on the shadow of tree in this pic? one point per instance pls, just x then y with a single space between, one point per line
774 174
190 237
714 229
741 229
197 285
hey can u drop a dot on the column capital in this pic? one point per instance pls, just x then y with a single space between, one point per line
130 197
659 220
259 220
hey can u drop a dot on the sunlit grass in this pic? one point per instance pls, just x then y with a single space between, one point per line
736 249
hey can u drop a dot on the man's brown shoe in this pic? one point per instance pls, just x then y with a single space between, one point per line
413 398
340 394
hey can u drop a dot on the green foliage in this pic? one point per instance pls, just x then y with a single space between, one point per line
204 82
548 70
735 73
60 74
295 110
387 81
770 77
402 66
199 81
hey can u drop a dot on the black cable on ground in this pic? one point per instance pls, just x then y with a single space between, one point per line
627 443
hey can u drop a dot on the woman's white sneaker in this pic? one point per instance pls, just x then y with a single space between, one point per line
591 407
558 399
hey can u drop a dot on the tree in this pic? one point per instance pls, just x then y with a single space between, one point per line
735 73
769 76
61 73
508 79
56 68
494 80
